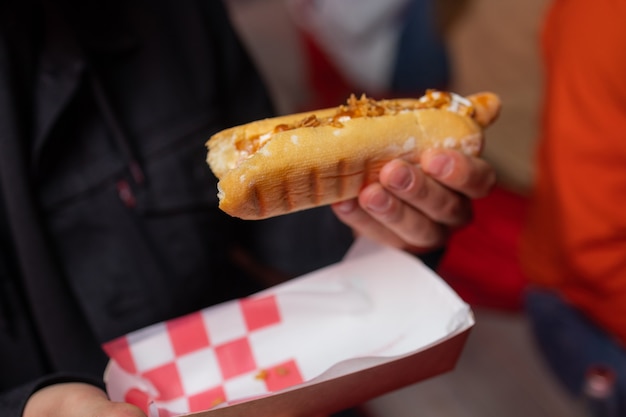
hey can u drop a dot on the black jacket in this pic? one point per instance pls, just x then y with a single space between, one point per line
108 214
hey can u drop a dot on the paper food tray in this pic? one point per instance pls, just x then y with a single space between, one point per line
377 321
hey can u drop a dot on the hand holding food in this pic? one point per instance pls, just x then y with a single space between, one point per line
416 208
290 163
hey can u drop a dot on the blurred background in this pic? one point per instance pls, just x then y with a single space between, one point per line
491 45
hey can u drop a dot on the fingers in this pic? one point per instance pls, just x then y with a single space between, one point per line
419 192
472 177
76 399
113 409
382 217
365 224
417 207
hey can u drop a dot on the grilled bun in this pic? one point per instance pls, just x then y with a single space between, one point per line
285 164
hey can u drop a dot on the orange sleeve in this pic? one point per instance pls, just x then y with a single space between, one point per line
575 240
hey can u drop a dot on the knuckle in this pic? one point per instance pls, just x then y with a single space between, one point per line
459 212
481 183
420 190
427 234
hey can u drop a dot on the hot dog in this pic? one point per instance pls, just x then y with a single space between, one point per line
285 164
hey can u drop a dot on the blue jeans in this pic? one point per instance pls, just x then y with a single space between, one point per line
571 343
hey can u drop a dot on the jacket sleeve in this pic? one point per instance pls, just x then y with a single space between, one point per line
242 89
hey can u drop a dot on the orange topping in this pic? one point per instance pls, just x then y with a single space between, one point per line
355 108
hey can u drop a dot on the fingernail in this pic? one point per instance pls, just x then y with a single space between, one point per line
379 202
440 166
400 178
345 206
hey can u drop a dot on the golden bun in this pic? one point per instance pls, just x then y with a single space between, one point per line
285 164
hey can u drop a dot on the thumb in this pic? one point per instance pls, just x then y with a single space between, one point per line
76 400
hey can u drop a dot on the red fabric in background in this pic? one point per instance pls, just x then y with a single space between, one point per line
481 263
327 85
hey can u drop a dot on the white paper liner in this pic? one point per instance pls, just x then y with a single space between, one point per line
377 306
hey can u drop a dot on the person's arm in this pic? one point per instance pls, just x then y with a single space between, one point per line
417 208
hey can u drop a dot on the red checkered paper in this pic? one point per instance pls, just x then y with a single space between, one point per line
369 310
204 359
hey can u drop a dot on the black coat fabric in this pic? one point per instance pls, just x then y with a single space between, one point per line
108 211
